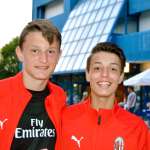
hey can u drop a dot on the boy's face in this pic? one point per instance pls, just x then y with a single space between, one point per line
104 74
38 57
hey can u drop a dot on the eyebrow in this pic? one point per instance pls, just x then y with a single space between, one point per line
116 64
50 47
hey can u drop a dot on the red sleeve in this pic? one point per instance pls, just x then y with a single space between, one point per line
144 140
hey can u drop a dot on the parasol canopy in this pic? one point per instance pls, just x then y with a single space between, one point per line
141 79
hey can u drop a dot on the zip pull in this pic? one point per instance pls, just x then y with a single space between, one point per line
99 120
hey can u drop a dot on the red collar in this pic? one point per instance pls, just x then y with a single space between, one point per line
105 114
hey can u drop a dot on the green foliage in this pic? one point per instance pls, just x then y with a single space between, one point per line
9 64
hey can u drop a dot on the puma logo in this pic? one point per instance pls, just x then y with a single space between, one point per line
76 140
2 123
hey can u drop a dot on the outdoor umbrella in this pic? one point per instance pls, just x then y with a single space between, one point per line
141 79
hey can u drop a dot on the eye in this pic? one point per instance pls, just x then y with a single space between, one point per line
114 69
34 51
96 68
51 51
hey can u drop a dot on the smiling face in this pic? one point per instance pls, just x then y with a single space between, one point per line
38 57
104 75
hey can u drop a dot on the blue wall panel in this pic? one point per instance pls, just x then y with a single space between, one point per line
136 6
59 21
136 45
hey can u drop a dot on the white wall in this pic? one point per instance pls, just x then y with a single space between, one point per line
53 9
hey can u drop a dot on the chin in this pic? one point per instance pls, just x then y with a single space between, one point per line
103 94
38 77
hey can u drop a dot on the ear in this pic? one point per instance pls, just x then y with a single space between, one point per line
19 53
121 78
87 76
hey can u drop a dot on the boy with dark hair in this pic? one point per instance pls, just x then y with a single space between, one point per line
99 123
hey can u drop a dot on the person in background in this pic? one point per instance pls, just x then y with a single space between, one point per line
99 123
30 104
131 99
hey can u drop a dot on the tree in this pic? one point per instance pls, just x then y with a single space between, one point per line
9 64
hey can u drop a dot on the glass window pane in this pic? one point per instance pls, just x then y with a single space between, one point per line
86 31
104 4
92 4
95 40
72 48
85 19
86 5
91 47
93 29
72 60
79 9
73 33
78 21
112 1
100 28
107 12
104 38
93 43
66 26
86 45
92 17
58 66
83 65
72 24
72 13
116 10
78 33
65 49
62 46
62 34
79 62
66 35
78 47
99 14
98 4
108 26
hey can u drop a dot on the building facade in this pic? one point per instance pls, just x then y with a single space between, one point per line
83 23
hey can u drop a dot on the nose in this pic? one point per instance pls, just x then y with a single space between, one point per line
43 57
104 72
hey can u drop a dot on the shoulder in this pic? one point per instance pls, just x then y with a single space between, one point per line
130 119
55 88
5 85
57 93
74 111
5 81
8 85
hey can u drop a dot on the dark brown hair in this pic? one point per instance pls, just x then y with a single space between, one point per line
48 30
110 48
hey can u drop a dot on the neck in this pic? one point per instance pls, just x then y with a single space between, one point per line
102 102
34 84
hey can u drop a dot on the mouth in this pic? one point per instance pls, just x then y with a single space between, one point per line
104 84
42 67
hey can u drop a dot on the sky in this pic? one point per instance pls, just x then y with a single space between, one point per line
14 15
